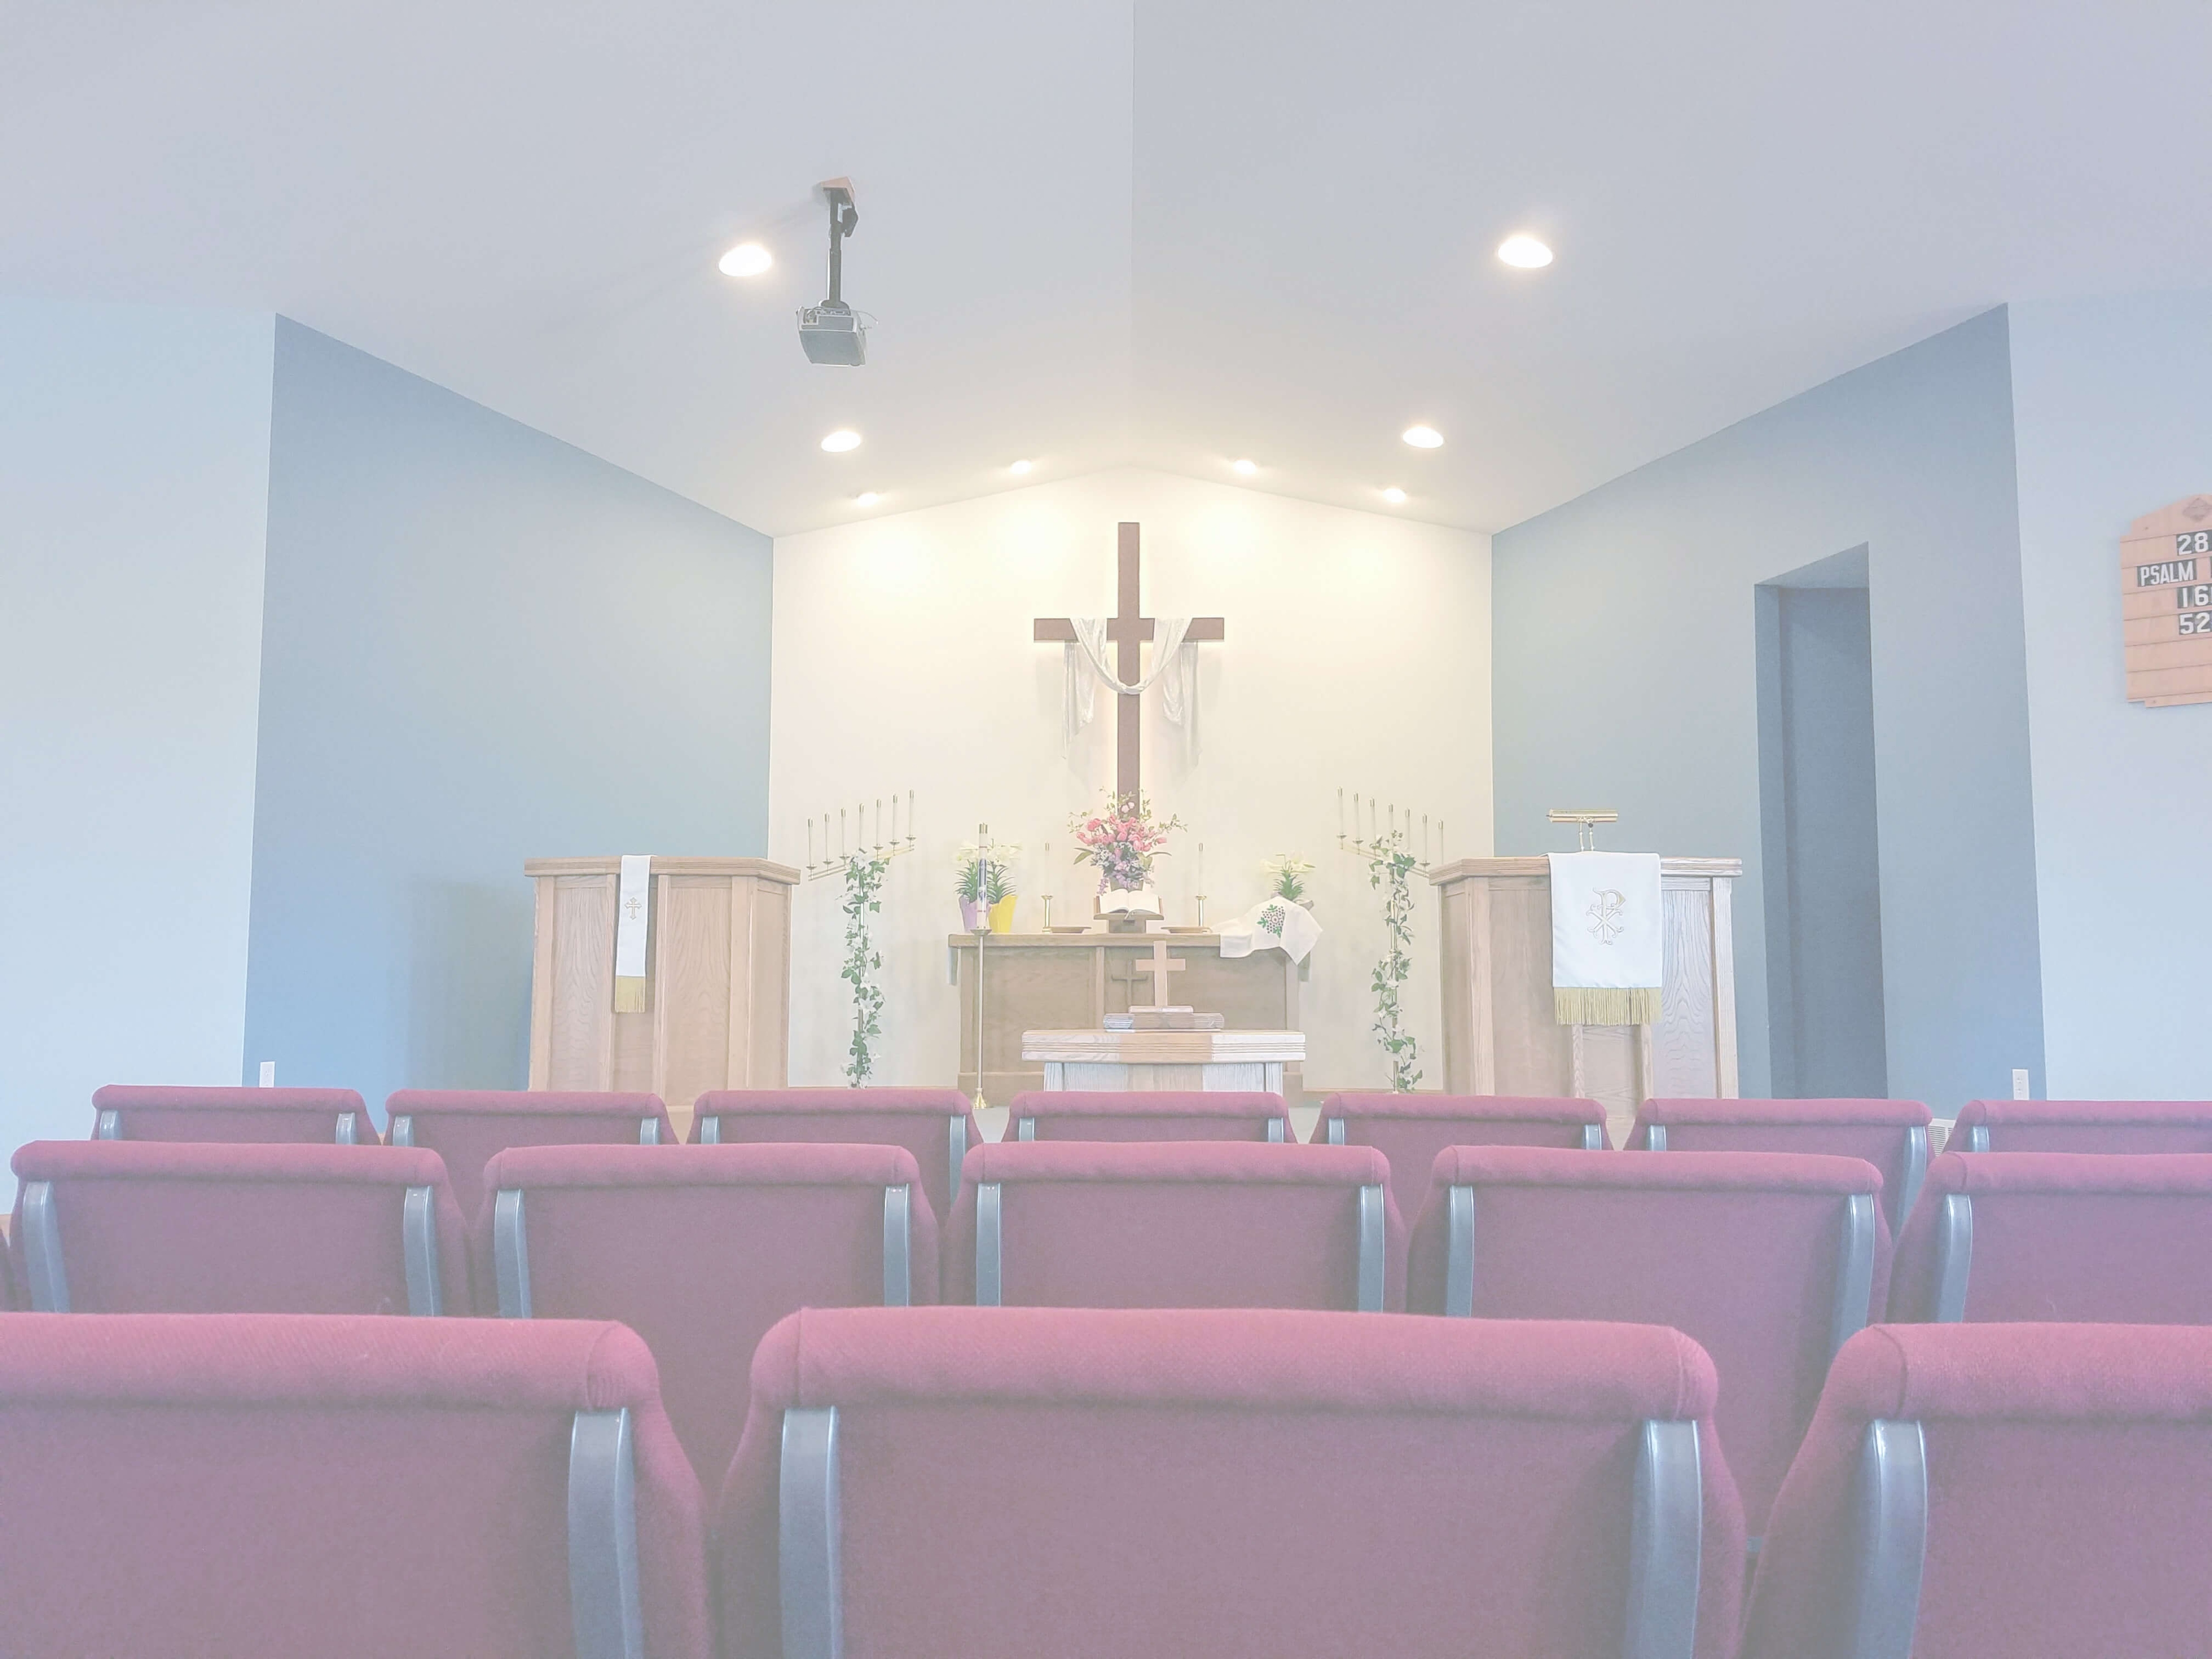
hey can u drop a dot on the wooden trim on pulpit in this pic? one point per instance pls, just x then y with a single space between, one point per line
1724 986
1541 866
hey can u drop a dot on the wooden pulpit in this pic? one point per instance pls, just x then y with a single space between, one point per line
717 1012
1500 1035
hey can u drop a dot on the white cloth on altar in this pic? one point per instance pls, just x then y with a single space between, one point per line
1084 664
1606 934
1282 923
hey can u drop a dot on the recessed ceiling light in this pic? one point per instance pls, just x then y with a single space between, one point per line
1421 437
1243 469
1524 253
842 439
1394 495
745 259
1018 468
867 498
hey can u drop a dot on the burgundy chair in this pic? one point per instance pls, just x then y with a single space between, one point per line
938 1126
2083 1125
2070 1236
1142 1114
699 1249
2036 1492
1263 1482
466 1126
129 1112
1890 1134
1410 1130
353 1488
1768 1262
1175 1225
150 1226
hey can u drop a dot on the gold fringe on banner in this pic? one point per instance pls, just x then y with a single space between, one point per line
1589 1005
630 993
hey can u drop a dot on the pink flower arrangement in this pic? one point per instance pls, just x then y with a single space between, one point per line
1122 842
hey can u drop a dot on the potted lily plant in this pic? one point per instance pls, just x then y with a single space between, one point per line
984 882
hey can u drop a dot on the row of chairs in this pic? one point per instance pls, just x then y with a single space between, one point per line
466 1126
1771 1260
1301 1484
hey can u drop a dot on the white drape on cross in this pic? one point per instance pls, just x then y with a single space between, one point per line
1174 670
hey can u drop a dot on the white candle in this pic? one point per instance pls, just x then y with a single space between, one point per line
809 843
1340 814
879 821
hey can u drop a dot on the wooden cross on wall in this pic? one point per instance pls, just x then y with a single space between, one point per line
1128 630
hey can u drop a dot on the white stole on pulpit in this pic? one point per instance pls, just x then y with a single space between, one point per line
1605 935
633 915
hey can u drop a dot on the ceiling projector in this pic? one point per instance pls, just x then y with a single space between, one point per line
832 332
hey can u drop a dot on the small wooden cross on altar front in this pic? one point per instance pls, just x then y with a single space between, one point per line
1128 630
1157 969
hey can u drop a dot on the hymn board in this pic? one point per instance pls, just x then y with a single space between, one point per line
2165 604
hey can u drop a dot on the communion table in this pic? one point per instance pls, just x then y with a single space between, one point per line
1153 1061
1064 983
1500 1035
717 1001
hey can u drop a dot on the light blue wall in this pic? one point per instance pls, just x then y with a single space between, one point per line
480 645
2114 422
1625 677
134 488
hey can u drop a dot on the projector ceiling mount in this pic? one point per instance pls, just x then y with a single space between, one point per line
832 332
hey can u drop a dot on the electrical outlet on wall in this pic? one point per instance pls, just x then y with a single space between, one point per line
268 1074
2019 1084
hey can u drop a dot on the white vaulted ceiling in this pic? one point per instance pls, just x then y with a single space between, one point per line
1172 236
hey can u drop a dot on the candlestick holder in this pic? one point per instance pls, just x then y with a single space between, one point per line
1387 833
859 844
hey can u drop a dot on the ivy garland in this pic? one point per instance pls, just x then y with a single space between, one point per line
1390 870
864 885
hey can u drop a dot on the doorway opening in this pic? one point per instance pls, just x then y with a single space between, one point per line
1827 1033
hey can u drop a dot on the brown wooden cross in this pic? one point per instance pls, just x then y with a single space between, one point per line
1159 969
1128 631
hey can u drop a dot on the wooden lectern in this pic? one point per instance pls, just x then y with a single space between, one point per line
1500 1037
718 979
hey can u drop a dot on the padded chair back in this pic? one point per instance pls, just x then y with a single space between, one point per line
2083 1125
347 1487
466 1126
1264 1482
1890 1134
1175 1225
2071 1237
151 1226
1769 1263
938 1126
1410 1130
699 1249
1148 1115
330 1116
2032 1490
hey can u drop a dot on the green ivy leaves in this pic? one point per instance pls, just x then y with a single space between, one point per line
864 885
1389 870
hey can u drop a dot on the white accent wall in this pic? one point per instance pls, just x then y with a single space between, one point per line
1357 657
134 495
